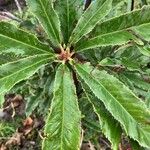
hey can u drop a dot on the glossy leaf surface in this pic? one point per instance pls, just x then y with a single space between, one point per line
43 10
63 123
124 106
112 39
19 42
110 127
116 31
14 72
95 13
68 14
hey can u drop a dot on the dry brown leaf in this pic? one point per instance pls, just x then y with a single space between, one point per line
3 147
28 122
87 146
15 139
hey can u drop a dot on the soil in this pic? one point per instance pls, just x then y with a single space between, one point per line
9 5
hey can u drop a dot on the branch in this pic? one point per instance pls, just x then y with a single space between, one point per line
9 16
19 7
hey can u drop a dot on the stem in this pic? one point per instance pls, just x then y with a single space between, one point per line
10 16
19 7
62 49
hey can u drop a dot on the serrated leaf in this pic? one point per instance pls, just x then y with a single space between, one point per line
135 145
116 2
147 99
125 21
94 14
138 81
117 38
110 31
5 58
89 118
43 10
144 31
19 42
63 123
14 72
68 14
109 125
145 50
124 106
32 103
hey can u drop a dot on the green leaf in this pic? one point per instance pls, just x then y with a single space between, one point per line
135 145
32 103
94 14
144 2
144 31
14 72
63 124
5 58
116 31
125 21
145 50
19 42
43 10
109 125
116 2
147 99
68 14
124 106
138 81
112 39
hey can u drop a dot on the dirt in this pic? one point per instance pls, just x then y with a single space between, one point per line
10 5
28 132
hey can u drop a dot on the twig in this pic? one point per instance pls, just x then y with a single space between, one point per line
81 138
13 114
105 143
9 16
19 7
4 138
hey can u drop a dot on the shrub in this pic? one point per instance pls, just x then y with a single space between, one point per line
97 58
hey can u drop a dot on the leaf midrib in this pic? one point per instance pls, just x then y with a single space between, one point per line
111 96
107 34
16 40
62 126
49 21
125 29
68 19
24 69
87 22
125 14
